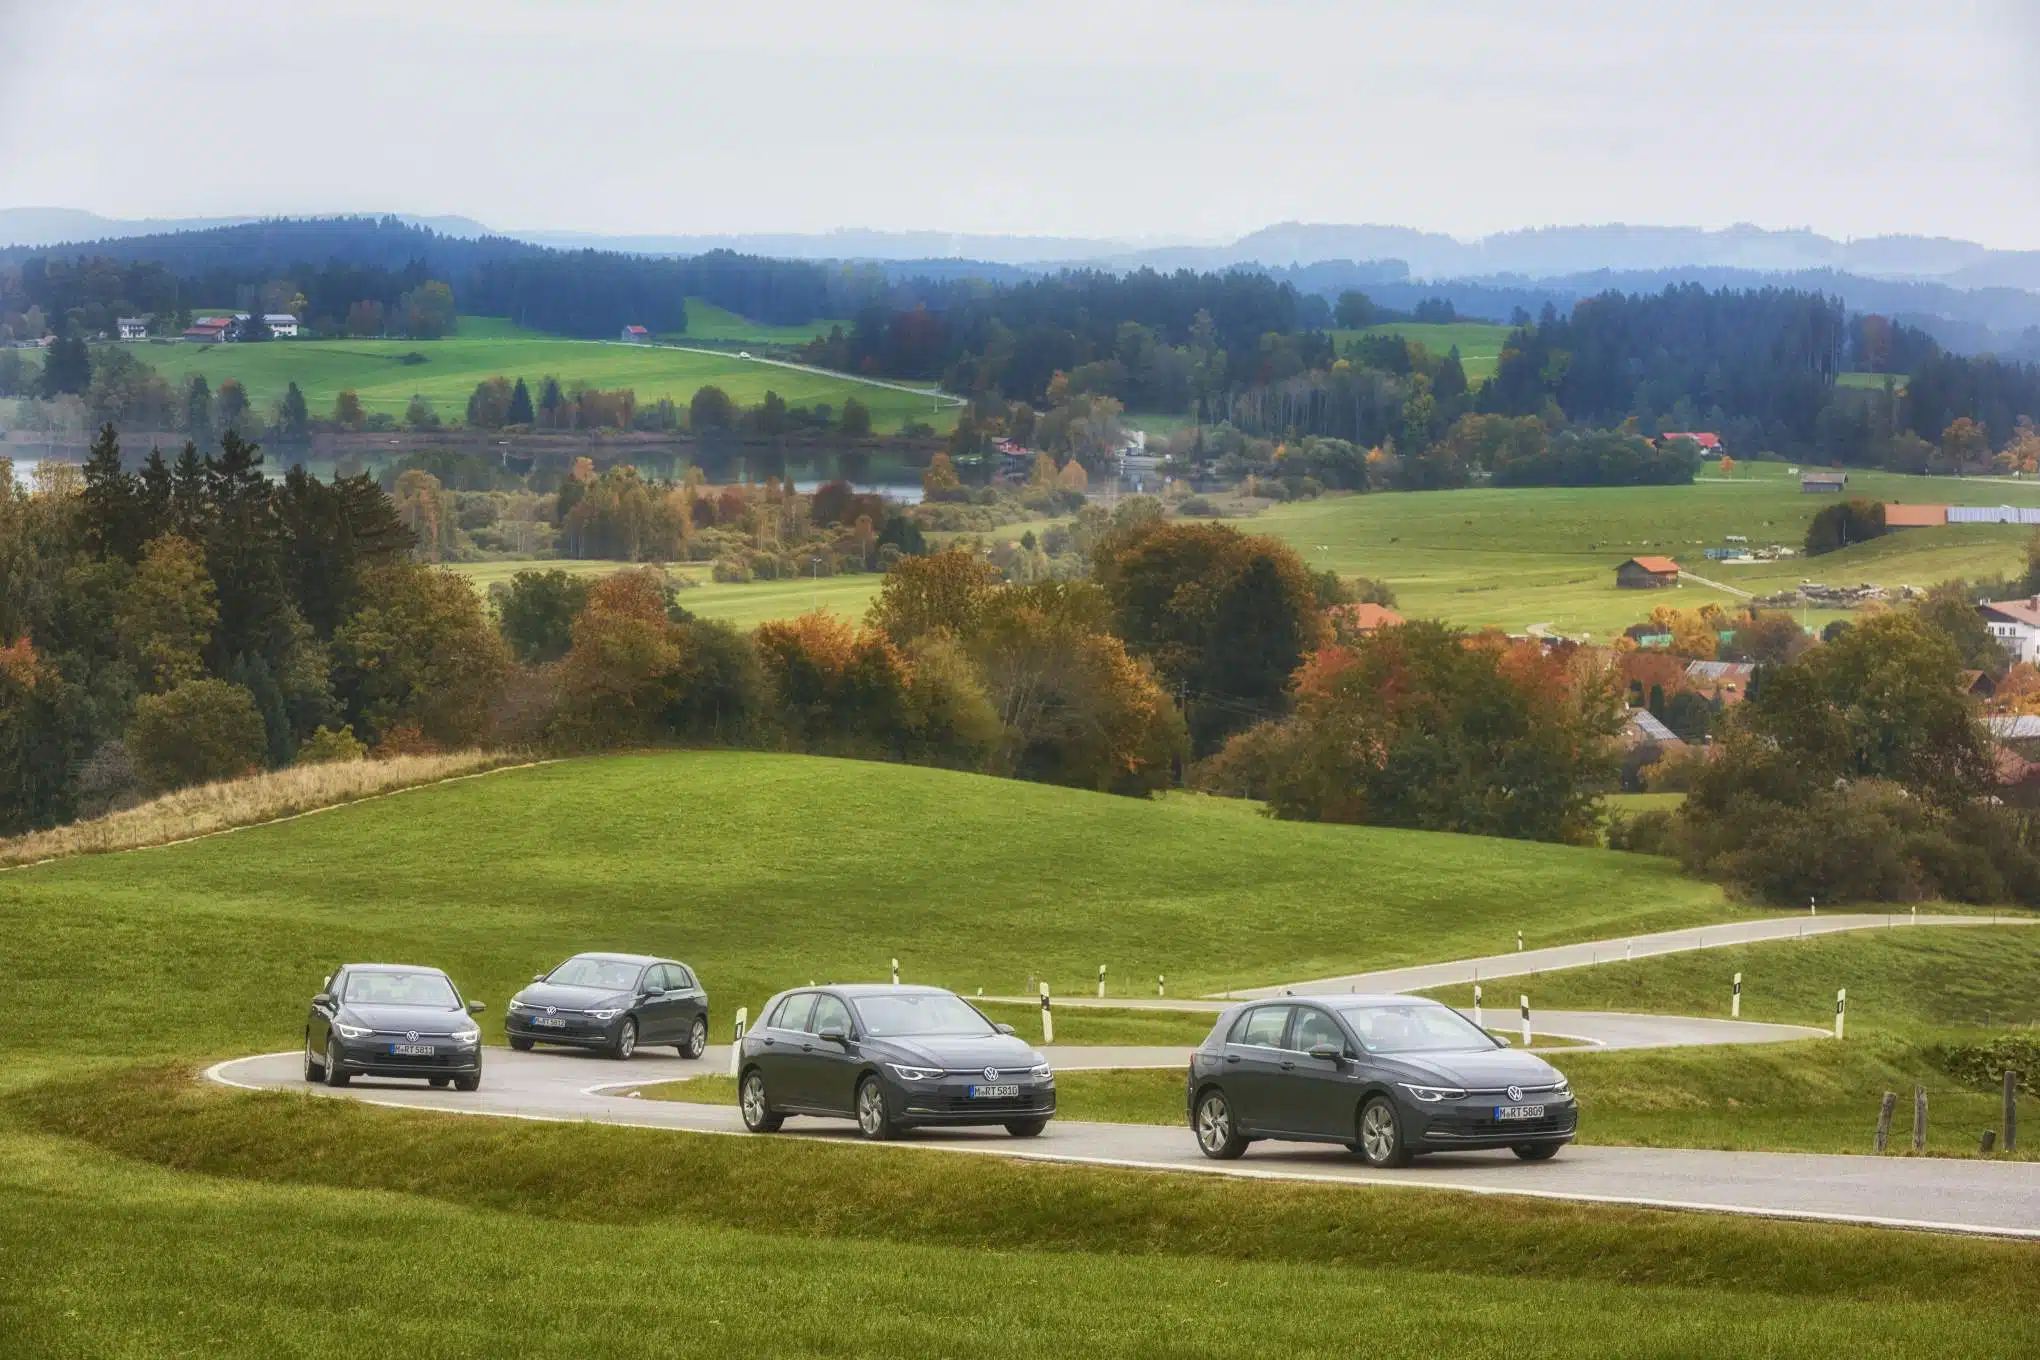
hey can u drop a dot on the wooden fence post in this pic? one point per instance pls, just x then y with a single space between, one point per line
1919 1119
1884 1114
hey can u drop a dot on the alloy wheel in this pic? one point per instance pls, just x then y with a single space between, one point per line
871 1110
1214 1122
753 1099
626 1039
1377 1133
697 1038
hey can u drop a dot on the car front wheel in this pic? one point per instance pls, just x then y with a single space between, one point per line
757 1111
314 1069
1026 1128
1217 1135
625 1042
1381 1138
334 1076
467 1081
872 1120
1536 1152
696 1042
521 1044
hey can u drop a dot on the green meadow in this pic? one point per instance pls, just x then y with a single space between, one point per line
1511 557
1480 343
386 376
711 324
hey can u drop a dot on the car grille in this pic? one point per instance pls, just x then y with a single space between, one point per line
1015 1104
1560 1121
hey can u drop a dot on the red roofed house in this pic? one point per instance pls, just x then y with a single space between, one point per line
1645 573
1710 444
637 335
1365 618
1914 516
209 330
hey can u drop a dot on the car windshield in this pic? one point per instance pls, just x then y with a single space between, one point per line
611 975
920 1013
400 989
1414 1029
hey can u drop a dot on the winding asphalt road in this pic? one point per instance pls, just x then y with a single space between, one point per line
1994 1198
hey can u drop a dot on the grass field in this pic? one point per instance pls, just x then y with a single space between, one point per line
1480 343
167 1218
708 322
1512 557
376 370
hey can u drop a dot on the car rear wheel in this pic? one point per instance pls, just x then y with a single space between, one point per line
314 1069
696 1042
1536 1152
1217 1134
1381 1140
757 1111
520 1043
625 1042
1026 1128
872 1119
467 1081
334 1076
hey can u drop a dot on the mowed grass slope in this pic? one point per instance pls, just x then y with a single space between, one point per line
377 372
1480 342
764 871
1510 557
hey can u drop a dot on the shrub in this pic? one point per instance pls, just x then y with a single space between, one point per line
1199 507
108 781
1984 1065
1647 833
326 746
200 731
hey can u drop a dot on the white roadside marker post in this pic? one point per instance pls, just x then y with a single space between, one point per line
1101 982
1161 984
1524 1001
1519 942
1812 907
737 1037
1476 1007
1047 1017
1735 1000
895 972
1841 1010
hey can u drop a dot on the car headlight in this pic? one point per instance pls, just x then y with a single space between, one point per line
347 1031
905 1073
1041 1073
1564 1087
1431 1095
610 1013
517 1005
466 1036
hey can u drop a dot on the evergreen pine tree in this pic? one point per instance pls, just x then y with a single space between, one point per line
198 407
252 673
157 482
189 509
520 405
67 367
113 518
296 418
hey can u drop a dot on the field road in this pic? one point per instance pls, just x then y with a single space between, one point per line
1996 1198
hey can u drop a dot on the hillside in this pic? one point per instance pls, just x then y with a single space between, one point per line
1496 557
764 871
386 379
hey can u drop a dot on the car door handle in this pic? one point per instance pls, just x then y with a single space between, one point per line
1289 1067
1232 1057
768 1043
807 1048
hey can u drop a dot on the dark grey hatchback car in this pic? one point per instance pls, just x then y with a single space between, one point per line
891 1058
392 1020
1387 1076
614 1003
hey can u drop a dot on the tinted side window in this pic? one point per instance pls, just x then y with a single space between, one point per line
794 1014
679 978
1314 1027
829 1011
1262 1025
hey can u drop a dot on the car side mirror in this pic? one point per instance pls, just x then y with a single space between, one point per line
538 977
654 993
323 999
1005 1028
1501 1040
1328 1053
834 1034
477 1007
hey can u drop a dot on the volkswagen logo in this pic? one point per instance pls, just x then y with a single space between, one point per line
412 1035
552 1010
991 1074
1515 1093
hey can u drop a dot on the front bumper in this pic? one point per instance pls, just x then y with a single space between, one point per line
948 1101
577 1032
1471 1123
372 1057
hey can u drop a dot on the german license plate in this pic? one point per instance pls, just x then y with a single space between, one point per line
1002 1092
412 1050
1519 1112
549 1022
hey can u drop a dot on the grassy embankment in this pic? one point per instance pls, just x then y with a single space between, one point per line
1480 343
377 371
166 1218
1513 557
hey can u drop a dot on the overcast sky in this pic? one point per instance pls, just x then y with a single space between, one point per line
1157 119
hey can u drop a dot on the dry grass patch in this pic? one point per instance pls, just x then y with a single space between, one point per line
208 808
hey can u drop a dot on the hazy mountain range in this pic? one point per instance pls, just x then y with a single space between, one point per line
1530 253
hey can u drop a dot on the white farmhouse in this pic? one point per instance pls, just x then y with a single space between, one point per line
2016 626
133 327
282 325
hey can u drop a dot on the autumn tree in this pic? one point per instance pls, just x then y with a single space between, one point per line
711 409
488 407
835 687
347 412
855 420
1965 444
941 593
1843 523
417 651
537 610
1225 618
165 617
939 481
200 731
